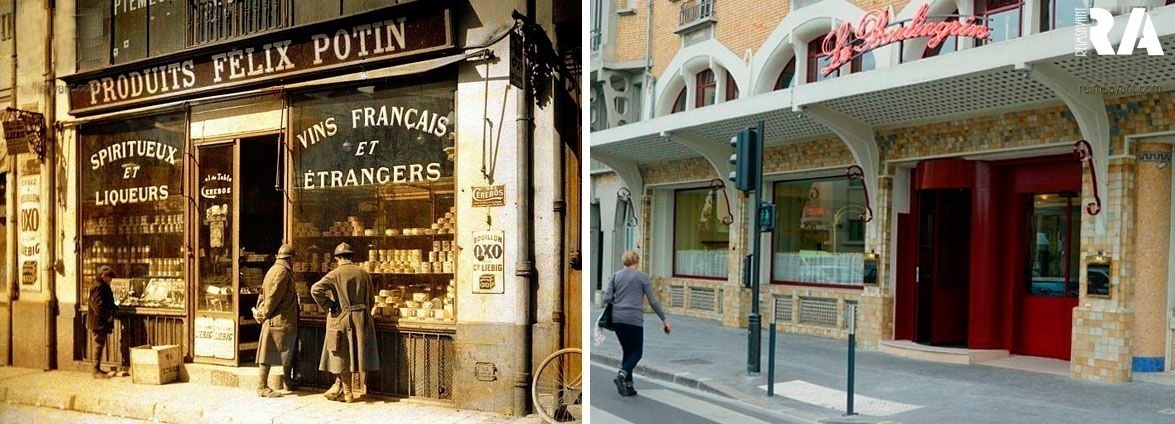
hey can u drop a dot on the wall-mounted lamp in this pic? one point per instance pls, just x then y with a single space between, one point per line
1097 275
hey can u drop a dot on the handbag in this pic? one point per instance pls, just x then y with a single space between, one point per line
605 321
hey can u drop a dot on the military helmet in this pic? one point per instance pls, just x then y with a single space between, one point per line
344 249
286 251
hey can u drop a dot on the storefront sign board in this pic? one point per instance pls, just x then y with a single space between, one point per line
875 30
489 263
215 337
365 40
489 196
29 220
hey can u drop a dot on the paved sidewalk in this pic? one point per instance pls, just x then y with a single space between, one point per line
811 375
197 403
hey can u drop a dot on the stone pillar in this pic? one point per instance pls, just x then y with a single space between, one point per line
1102 326
876 307
1152 249
736 299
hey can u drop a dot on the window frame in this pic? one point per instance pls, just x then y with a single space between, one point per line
926 51
1073 243
731 88
791 81
700 85
771 263
1018 5
679 102
673 244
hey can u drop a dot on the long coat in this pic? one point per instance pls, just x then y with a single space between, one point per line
100 317
278 308
350 344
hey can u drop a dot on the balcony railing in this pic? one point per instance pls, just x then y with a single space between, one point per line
215 20
596 39
695 10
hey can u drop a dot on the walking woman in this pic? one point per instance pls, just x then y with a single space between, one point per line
626 292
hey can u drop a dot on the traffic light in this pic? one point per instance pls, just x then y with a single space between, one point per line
746 160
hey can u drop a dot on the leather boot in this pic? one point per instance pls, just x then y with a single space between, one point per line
335 391
348 395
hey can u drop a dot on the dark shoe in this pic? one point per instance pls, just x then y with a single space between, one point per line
620 387
631 391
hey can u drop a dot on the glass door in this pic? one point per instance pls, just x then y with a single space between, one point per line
216 255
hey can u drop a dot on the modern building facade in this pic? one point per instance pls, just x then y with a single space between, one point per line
188 140
1013 182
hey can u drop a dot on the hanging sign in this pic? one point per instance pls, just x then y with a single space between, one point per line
364 40
875 30
215 338
22 129
489 196
517 60
489 263
29 219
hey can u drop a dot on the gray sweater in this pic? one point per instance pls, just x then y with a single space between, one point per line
626 292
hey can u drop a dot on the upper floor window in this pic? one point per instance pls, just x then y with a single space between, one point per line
706 91
817 61
947 45
679 102
1003 16
731 87
597 12
116 32
796 4
694 11
1061 13
787 77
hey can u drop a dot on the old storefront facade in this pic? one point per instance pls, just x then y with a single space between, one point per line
959 165
197 137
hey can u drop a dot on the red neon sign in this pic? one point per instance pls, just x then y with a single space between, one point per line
874 31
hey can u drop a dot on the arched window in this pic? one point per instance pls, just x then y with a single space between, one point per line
731 88
1003 16
679 103
787 77
816 61
706 92
947 45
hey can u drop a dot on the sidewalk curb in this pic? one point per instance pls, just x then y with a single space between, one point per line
686 379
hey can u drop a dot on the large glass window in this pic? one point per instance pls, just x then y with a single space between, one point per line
1061 13
819 232
948 45
132 209
373 167
1003 16
1053 245
706 90
700 240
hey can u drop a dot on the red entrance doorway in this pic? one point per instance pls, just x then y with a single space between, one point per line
988 253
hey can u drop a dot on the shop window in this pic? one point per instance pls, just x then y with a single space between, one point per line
1061 13
700 240
131 196
948 45
787 77
1003 17
1053 245
819 234
373 167
679 102
706 89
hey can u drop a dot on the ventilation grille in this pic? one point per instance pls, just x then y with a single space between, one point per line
818 311
783 309
676 297
701 299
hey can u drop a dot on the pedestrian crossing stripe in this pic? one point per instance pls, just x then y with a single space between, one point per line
825 397
600 416
699 407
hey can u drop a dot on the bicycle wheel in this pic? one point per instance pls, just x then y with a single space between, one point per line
557 389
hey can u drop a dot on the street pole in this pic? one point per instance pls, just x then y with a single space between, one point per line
771 362
754 323
852 356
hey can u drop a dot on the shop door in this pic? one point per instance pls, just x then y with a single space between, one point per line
236 243
942 274
1050 263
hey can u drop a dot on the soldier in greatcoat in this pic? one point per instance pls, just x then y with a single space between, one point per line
350 345
277 311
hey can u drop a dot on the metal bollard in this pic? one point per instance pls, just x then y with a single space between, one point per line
852 356
771 362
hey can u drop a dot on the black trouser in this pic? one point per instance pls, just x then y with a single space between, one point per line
99 348
632 341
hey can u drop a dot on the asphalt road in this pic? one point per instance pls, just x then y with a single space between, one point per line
659 402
